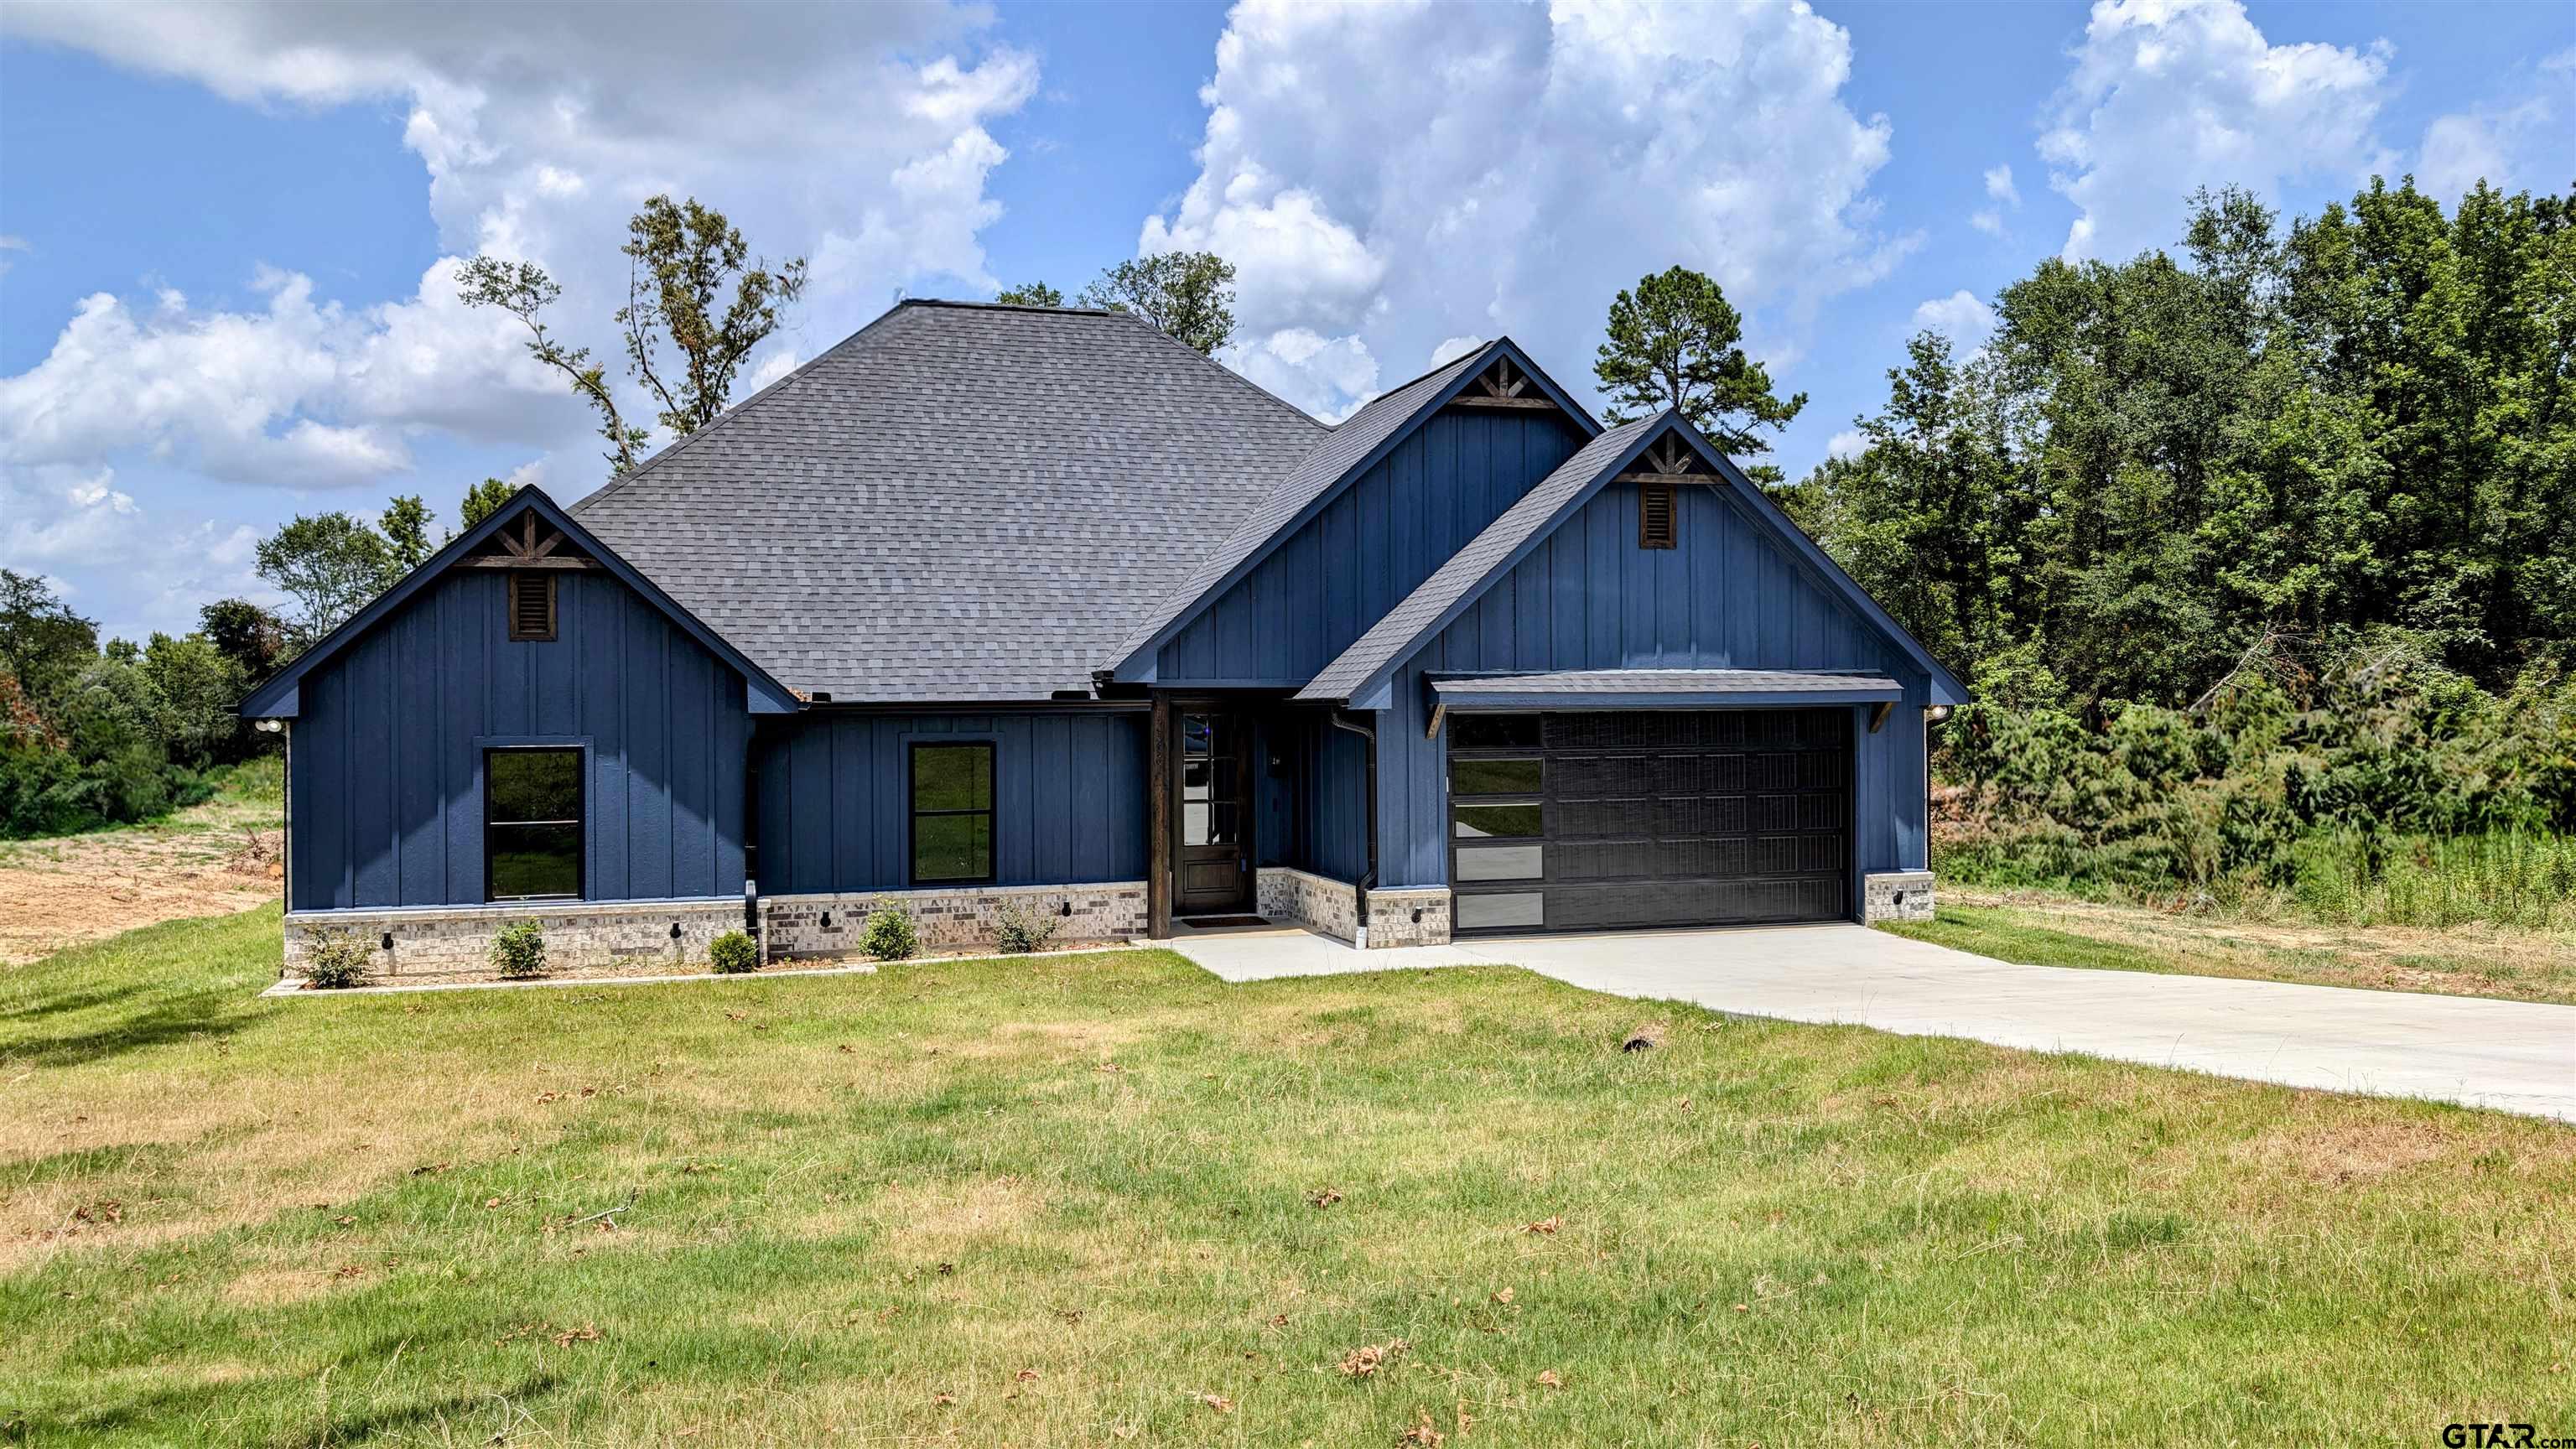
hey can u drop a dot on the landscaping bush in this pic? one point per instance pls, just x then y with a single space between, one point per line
733 954
1021 931
334 959
519 952
889 934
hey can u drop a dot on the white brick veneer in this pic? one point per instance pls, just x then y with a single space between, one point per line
1897 895
1332 907
456 941
1408 916
795 925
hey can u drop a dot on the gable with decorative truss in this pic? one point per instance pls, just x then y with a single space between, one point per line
1503 385
535 544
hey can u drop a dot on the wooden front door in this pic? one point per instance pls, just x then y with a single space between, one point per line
1212 799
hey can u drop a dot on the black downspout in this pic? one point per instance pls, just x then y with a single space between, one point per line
1368 882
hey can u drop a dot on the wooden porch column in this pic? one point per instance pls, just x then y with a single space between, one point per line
1158 827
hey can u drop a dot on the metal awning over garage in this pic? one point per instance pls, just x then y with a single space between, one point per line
1594 689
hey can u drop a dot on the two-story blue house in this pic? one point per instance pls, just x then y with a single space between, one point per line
996 604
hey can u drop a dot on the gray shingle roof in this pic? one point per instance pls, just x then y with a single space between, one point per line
1317 472
958 502
1663 681
1390 637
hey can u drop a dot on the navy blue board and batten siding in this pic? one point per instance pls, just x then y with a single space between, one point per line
1372 544
836 792
1726 596
389 738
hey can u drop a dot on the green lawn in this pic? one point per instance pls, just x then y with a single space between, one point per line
1104 1199
2464 961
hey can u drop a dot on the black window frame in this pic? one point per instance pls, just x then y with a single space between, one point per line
913 813
580 822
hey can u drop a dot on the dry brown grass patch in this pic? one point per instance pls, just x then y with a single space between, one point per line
2347 1148
954 1216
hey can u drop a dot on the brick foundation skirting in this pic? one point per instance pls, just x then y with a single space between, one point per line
455 942
1297 897
830 925
1332 907
1408 916
1897 895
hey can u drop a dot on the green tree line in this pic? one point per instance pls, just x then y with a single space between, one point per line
94 734
2260 558
2169 474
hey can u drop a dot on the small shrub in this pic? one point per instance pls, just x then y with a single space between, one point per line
334 959
519 952
1021 931
889 934
733 954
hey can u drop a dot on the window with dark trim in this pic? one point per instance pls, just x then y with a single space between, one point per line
532 808
1655 515
532 606
952 812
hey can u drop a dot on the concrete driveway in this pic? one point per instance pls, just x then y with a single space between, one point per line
2512 1055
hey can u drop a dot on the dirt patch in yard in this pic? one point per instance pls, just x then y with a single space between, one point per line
206 861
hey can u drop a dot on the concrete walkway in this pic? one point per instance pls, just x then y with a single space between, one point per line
2512 1055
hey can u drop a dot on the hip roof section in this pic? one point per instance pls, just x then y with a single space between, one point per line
959 502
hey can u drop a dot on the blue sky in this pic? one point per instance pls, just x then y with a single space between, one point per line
225 232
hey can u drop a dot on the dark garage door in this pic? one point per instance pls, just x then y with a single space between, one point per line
1586 822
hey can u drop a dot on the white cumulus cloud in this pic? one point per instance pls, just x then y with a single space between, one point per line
70 526
2169 95
1966 321
538 142
1401 176
2005 195
855 135
2513 145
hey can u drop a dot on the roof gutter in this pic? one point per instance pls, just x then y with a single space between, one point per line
1342 720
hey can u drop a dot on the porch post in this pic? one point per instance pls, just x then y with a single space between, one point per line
1158 827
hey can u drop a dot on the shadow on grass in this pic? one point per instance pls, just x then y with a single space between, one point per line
200 1016
72 1001
136 1159
168 1411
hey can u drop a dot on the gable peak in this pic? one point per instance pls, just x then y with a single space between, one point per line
1503 382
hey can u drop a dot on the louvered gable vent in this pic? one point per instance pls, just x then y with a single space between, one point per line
1655 515
532 606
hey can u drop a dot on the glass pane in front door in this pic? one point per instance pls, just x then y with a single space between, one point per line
1201 762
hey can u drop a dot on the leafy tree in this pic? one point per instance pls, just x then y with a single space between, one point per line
195 687
1673 343
405 525
680 259
1030 294
251 637
43 644
120 732
1189 295
482 501
2256 458
523 290
1928 515
684 341
330 564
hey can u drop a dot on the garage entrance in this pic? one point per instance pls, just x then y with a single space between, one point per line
1595 821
